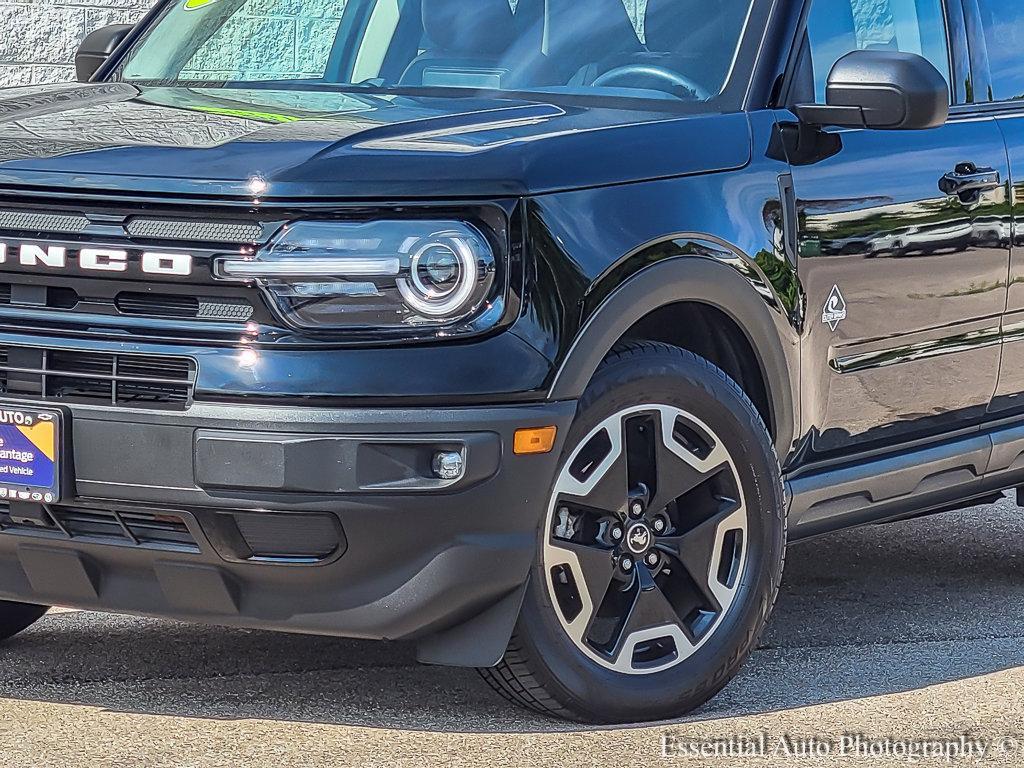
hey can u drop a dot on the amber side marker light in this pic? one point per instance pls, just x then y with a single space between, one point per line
536 440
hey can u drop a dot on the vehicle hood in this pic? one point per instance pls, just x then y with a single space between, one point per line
327 144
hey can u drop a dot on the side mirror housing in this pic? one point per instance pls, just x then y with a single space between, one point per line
96 49
885 90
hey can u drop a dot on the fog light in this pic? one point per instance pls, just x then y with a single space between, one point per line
449 465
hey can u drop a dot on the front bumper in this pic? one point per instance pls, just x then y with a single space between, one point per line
180 514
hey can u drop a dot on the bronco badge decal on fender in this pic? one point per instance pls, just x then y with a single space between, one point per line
835 309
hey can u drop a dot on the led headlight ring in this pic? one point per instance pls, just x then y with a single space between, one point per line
428 300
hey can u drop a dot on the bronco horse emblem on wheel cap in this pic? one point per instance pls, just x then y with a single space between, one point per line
639 538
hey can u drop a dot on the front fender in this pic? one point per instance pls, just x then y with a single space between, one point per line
688 269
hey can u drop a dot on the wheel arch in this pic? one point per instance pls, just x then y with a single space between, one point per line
697 270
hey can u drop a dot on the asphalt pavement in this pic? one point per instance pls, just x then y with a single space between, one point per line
890 645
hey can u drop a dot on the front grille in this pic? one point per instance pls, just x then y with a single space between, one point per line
183 307
50 297
199 308
37 221
138 529
41 222
145 304
240 233
130 303
151 381
76 302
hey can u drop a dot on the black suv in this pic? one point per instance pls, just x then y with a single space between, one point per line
525 330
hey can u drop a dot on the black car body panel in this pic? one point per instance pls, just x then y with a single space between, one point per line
335 146
700 250
1009 396
873 318
211 547
928 280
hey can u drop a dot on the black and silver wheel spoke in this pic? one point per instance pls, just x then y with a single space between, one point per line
598 476
649 616
682 466
592 570
699 550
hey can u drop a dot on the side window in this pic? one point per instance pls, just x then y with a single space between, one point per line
838 27
1003 22
269 40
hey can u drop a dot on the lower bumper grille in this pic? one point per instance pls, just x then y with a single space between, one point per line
298 538
241 537
151 381
140 529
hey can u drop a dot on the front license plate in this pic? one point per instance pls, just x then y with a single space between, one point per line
29 454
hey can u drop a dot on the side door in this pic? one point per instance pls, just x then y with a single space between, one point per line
905 284
998 47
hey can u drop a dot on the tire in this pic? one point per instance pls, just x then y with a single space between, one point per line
17 617
563 660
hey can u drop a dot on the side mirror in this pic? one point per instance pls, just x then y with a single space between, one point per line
886 90
96 49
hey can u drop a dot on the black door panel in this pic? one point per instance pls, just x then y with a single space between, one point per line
999 45
922 275
1009 396
904 245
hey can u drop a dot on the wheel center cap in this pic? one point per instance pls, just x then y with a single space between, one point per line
638 538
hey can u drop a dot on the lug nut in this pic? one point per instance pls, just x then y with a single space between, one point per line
659 525
616 532
626 563
636 508
652 559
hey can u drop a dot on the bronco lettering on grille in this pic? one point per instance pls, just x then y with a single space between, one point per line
57 257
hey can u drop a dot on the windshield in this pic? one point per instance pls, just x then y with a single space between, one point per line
666 49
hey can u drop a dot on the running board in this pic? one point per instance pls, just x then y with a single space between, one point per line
913 481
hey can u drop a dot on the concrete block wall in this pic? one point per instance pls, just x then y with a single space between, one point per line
271 39
39 37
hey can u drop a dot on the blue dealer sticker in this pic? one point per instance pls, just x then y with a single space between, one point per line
28 455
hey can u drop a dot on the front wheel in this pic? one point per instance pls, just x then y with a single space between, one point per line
661 550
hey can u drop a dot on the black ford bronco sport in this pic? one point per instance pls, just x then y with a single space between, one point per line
528 331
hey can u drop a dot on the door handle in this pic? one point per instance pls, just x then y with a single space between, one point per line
968 181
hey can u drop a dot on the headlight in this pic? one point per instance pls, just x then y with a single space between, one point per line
376 275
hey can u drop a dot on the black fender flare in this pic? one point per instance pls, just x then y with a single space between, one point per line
730 284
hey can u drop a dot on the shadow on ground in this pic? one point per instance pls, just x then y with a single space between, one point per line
863 613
